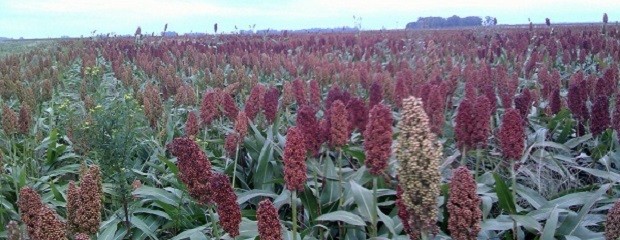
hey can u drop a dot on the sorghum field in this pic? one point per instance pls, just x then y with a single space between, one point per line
488 133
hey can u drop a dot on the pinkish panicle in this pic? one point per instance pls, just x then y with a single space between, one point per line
294 160
194 168
270 104
512 135
308 124
463 206
315 93
299 89
339 125
191 125
254 102
378 139
268 221
229 106
358 114
375 95
226 199
209 109
599 121
523 102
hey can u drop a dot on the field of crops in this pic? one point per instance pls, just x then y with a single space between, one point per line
488 133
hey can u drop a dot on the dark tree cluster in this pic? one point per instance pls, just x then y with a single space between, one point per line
439 22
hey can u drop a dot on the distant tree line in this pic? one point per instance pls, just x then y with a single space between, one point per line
439 22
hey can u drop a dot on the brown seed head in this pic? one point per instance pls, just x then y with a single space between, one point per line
463 206
268 221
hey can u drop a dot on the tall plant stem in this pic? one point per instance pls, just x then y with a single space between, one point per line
215 231
424 235
235 165
464 156
318 192
513 177
375 210
477 162
294 217
341 200
340 179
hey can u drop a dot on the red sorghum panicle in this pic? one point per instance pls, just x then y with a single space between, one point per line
84 203
463 206
194 168
555 102
523 102
375 94
612 225
241 124
73 203
315 93
308 124
81 236
378 139
507 86
88 215
465 123
229 106
30 205
577 97
418 154
270 104
209 109
358 114
9 120
512 135
288 95
339 125
185 95
599 121
299 90
335 93
49 225
152 104
230 144
324 130
268 221
482 121
253 104
294 160
41 221
191 125
609 82
226 199
25 119
616 122
435 108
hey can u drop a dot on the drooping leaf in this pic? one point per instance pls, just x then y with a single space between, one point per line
343 216
504 195
551 224
363 199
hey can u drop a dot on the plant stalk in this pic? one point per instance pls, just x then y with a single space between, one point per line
464 156
375 211
235 166
294 217
514 195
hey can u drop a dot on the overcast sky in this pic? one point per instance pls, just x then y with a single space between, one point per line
54 18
